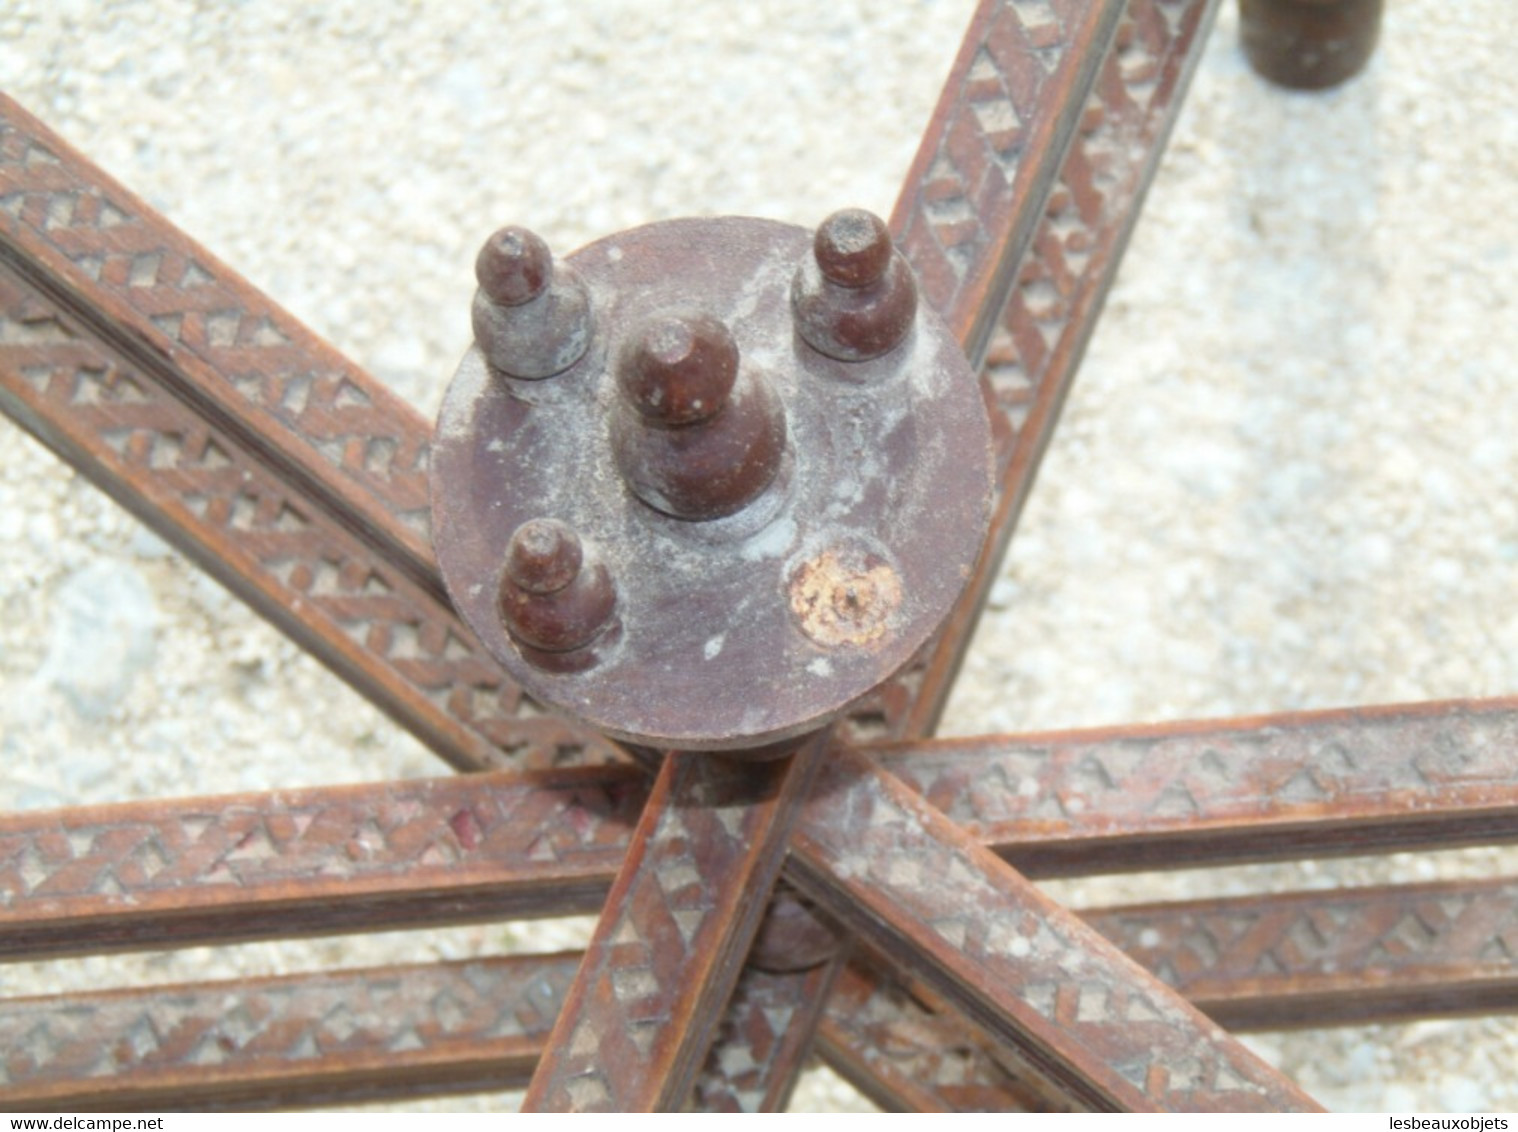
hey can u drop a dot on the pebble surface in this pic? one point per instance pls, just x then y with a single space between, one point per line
1284 478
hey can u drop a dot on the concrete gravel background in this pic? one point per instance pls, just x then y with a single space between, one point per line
1285 478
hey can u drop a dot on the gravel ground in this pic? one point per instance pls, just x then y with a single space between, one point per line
1283 481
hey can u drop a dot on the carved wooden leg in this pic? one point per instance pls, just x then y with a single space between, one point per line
1309 44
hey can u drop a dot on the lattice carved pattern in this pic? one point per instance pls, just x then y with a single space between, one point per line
1211 950
1385 759
1037 340
760 1047
350 840
190 303
1005 948
274 1026
270 544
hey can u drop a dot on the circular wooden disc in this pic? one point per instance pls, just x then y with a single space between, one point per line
764 624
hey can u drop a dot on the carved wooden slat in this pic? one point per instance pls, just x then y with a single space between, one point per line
144 269
276 464
1303 959
1071 261
1047 317
104 251
1343 956
1320 958
673 935
295 1039
324 860
201 489
353 1036
993 148
764 1040
907 1056
901 875
99 878
349 1036
1352 780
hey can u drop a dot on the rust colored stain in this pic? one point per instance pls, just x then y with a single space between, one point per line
842 600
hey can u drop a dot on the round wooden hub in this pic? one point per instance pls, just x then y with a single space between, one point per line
767 621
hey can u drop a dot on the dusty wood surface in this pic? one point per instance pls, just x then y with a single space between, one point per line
1351 780
1349 956
673 935
765 1039
1083 1015
1049 303
247 442
292 1040
398 543
155 874
1378 954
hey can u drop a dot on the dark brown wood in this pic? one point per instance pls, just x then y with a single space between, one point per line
901 875
992 150
276 1042
1050 305
1309 44
671 940
1342 957
1352 780
1351 956
316 861
338 499
908 1055
765 1038
757 626
347 858
293 477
